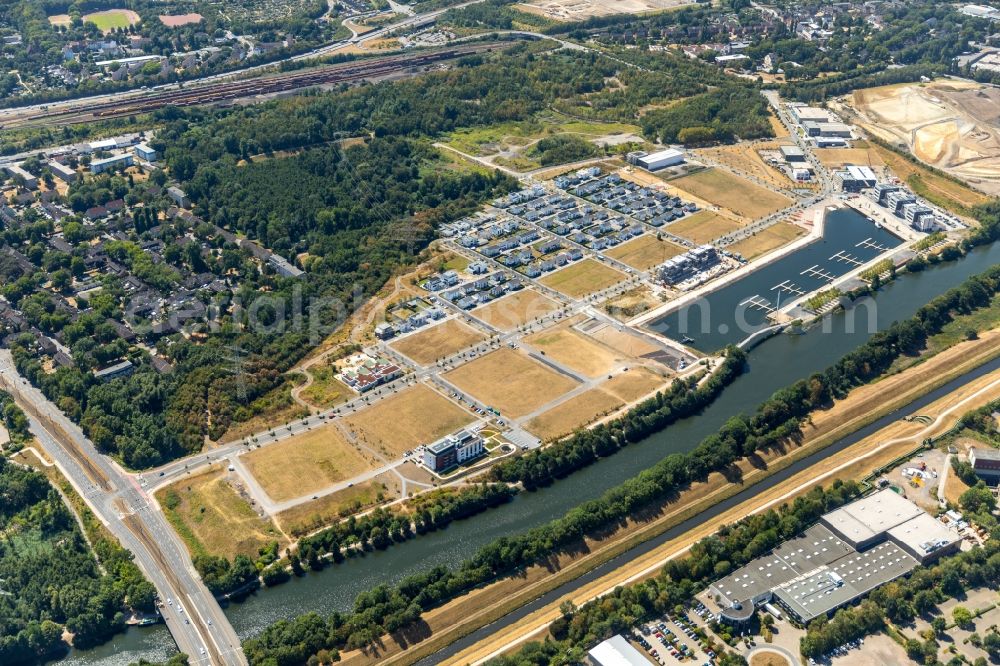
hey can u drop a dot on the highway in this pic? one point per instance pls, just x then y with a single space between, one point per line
194 618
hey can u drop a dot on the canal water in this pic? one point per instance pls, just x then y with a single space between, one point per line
734 312
774 364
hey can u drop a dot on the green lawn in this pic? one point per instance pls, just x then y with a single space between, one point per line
110 19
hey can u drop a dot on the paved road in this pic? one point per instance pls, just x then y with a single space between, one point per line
193 616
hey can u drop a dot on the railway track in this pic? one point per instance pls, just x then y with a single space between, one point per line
213 93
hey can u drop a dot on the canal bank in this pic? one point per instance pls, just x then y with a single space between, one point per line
774 364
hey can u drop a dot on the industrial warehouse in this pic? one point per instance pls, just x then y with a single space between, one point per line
848 553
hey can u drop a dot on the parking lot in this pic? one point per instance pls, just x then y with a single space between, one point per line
676 639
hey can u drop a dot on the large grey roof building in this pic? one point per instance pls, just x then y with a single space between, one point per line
851 551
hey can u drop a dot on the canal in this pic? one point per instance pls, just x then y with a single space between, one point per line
774 364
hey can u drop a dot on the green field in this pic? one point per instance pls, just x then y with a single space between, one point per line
485 141
112 18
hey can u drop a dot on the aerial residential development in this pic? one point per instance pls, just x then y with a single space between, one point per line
496 332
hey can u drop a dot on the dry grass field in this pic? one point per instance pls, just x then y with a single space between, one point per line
213 518
770 238
744 157
516 309
310 516
427 346
733 193
644 252
305 463
417 415
575 413
780 131
634 384
623 341
704 226
582 278
575 350
862 154
510 382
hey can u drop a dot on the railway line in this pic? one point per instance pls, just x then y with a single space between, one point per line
267 85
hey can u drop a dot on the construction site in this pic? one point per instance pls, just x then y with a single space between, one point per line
947 124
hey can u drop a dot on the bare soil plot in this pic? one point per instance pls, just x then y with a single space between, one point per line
578 10
765 657
645 251
212 518
516 309
770 238
427 346
305 463
728 191
575 350
632 385
417 415
583 278
510 382
573 414
177 20
704 226
631 304
950 125
61 19
310 516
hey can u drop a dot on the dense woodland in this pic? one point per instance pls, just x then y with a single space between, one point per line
50 577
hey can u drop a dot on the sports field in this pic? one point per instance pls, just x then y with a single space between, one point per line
510 382
110 19
212 518
177 20
417 415
704 226
733 193
575 413
427 346
575 350
764 241
582 278
305 463
516 309
645 251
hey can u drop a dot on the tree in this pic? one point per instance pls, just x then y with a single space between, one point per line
962 616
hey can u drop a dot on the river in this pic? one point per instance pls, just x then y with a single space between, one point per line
774 364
